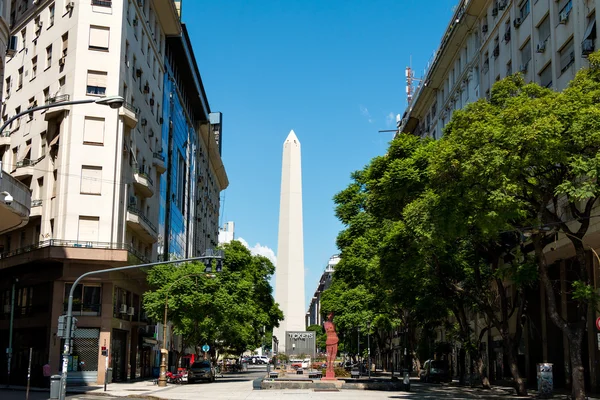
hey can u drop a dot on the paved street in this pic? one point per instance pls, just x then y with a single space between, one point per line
240 386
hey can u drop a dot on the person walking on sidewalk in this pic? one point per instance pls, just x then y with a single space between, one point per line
46 372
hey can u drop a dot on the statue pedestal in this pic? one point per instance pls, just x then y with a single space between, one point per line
329 376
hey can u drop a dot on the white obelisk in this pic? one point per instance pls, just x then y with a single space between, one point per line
289 274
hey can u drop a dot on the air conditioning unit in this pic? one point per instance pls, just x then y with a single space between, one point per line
517 22
484 28
144 122
123 309
507 36
147 89
131 311
563 17
541 47
13 44
135 22
495 11
523 67
151 102
61 61
70 5
138 72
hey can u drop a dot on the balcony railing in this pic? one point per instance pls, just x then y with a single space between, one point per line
29 163
36 203
58 99
75 243
131 108
141 216
159 156
143 173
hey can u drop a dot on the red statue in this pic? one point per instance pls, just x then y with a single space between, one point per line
331 346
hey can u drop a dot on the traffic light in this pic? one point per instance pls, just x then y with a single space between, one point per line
219 267
207 265
73 326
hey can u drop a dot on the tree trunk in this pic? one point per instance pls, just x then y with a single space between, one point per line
578 387
485 381
514 367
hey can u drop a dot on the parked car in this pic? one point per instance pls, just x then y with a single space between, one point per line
201 370
435 371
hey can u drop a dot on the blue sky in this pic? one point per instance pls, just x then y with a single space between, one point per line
333 71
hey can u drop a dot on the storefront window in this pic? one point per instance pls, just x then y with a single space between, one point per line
87 299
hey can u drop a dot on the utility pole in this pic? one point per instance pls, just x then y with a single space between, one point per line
9 350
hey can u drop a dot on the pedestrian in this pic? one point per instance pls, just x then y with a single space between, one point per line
46 372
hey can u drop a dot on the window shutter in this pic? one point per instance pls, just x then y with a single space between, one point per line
96 78
93 130
91 180
88 229
99 36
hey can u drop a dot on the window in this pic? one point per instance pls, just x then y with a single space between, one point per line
524 10
32 103
33 67
181 174
51 10
546 76
46 95
93 130
91 180
566 55
87 298
88 229
564 9
102 3
37 23
96 83
122 301
20 78
525 53
126 53
65 44
23 38
99 38
544 30
48 56
8 86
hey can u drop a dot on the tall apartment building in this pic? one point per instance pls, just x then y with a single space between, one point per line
547 41
314 315
95 175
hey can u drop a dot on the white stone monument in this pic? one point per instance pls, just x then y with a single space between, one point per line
289 273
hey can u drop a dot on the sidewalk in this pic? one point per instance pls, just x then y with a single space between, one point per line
122 389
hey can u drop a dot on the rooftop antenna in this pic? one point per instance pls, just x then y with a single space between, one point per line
410 81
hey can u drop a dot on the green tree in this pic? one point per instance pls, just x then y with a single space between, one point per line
533 156
321 336
229 310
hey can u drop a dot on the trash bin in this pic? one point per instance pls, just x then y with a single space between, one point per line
545 380
55 386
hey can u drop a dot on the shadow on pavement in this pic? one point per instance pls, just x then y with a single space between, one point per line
425 391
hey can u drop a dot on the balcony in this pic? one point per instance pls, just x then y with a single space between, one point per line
142 182
168 14
55 112
24 169
5 139
15 214
158 160
36 208
139 223
130 114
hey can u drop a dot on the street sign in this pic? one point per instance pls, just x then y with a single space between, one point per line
205 348
598 323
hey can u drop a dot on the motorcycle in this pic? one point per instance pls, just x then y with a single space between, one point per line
174 378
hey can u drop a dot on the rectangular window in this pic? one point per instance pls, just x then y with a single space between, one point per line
20 85
65 44
526 53
567 55
23 38
96 83
544 30
51 10
524 10
99 38
33 67
88 229
546 76
181 175
48 56
91 180
93 130
87 298
46 95
8 85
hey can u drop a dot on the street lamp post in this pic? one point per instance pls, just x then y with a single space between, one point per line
9 350
369 346
69 318
358 346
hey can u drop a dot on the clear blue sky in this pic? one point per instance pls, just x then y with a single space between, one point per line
333 71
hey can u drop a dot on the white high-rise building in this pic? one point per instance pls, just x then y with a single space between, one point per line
289 274
227 233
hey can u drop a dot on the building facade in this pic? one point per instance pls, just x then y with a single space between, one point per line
548 42
313 315
227 233
95 175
